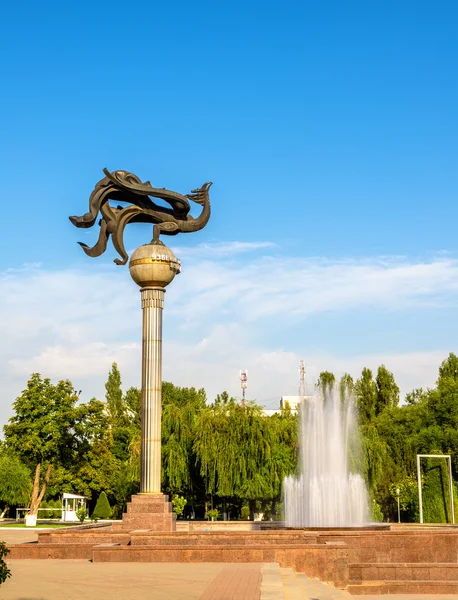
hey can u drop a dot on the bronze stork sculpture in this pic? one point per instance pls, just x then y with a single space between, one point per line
127 187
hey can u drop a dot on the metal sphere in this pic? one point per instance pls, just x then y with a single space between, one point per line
153 265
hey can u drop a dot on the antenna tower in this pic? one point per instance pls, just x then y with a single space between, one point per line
302 379
243 383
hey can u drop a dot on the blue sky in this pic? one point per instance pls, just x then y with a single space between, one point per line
329 130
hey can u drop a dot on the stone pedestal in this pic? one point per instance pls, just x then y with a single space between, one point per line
148 511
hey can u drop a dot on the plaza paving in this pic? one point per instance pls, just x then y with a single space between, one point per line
83 580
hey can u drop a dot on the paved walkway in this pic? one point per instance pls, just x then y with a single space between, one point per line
82 580
18 536
410 597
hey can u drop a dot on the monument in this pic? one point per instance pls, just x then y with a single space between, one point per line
371 560
152 266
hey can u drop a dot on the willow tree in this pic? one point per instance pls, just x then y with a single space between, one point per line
233 445
282 461
180 410
15 483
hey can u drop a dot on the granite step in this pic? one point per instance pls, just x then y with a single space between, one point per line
159 498
291 589
442 572
148 538
375 588
298 586
271 583
84 538
149 506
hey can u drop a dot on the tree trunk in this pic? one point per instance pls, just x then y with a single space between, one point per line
37 496
273 513
252 505
5 510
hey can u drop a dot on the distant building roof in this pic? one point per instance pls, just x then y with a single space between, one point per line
72 496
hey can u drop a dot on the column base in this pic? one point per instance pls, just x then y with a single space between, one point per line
148 511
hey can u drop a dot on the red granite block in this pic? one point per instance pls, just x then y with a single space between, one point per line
153 497
445 547
355 573
213 555
452 573
386 573
369 573
149 507
438 573
428 587
403 574
402 587
268 555
366 555
364 589
420 573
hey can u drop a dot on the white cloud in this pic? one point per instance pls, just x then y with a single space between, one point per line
276 285
221 249
222 314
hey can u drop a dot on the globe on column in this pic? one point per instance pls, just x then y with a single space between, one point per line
153 265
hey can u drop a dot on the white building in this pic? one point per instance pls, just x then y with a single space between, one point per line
292 401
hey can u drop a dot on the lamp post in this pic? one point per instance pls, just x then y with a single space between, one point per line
398 492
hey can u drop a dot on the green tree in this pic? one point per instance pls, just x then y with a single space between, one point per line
118 414
133 402
102 509
326 381
114 397
42 429
233 448
443 400
386 389
15 482
366 396
224 398
346 386
415 396
180 410
449 368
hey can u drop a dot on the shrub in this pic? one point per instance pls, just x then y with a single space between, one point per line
102 509
213 514
81 513
4 571
178 503
245 513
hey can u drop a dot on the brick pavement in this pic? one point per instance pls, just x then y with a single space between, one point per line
237 582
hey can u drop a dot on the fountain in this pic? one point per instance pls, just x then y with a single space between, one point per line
327 493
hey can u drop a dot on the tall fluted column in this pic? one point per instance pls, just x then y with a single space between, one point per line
152 266
152 306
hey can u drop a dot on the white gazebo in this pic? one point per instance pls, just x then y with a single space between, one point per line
70 504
